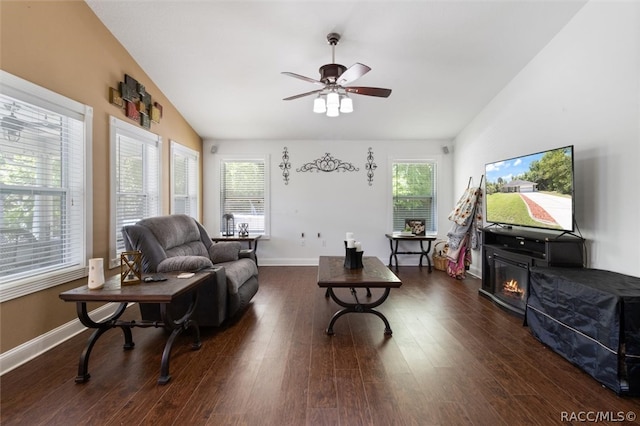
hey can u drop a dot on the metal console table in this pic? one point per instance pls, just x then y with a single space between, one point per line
419 238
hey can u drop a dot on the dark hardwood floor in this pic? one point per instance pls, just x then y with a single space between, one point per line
454 358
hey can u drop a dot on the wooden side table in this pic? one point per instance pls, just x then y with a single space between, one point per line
163 292
419 238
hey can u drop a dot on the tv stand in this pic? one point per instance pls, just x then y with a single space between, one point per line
526 249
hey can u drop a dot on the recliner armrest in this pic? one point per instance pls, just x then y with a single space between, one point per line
248 254
213 298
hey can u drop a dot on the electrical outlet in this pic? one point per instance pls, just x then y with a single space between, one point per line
324 243
302 242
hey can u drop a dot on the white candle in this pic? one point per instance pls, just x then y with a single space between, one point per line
96 273
358 246
349 236
351 243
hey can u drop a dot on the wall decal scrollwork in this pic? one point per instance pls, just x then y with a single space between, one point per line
285 165
328 163
370 166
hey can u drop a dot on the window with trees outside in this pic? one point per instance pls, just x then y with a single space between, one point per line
244 193
413 186
135 180
45 187
184 180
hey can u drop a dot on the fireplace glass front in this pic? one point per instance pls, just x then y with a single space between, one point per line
510 282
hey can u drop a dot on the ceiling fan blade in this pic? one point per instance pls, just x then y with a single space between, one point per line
301 95
352 73
369 91
302 77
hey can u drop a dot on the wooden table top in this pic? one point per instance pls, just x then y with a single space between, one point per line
411 237
151 292
332 273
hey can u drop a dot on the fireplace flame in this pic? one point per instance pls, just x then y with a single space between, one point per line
511 287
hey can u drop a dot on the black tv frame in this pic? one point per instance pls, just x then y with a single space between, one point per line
564 229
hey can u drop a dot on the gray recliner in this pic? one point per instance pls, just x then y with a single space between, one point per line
180 243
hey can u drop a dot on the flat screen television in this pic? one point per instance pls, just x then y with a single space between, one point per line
534 190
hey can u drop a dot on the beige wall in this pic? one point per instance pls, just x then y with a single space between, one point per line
62 46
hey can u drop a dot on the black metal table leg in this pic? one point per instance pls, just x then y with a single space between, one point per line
394 253
101 328
425 253
176 328
359 308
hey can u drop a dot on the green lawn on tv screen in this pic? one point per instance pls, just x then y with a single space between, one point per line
509 208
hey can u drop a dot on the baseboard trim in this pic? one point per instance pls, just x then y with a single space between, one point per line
272 261
27 351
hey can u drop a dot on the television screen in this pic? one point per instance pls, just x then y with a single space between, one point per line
533 190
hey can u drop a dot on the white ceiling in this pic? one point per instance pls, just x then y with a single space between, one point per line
219 62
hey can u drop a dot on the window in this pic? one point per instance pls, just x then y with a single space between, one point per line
135 179
45 186
243 193
184 180
413 186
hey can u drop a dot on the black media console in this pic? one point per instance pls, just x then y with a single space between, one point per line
509 253
588 316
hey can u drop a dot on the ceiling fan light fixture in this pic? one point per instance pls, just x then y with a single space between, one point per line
319 105
333 111
333 100
334 79
346 105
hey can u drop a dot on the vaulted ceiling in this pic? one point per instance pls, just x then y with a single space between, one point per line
220 62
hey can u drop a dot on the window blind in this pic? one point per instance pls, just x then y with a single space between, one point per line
136 167
242 193
414 194
184 180
42 190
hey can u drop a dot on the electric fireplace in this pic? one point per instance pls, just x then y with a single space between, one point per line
510 282
509 254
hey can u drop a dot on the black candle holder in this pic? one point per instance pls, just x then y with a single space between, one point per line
352 258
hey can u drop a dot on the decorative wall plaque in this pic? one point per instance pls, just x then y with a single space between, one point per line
328 163
370 166
138 105
285 166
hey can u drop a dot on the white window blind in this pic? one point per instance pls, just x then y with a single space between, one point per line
414 193
136 179
184 180
243 193
43 188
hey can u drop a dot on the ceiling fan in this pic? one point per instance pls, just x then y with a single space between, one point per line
333 96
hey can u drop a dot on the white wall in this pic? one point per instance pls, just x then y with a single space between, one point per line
327 203
581 89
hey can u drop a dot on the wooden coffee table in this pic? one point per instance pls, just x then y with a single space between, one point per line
332 274
162 292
